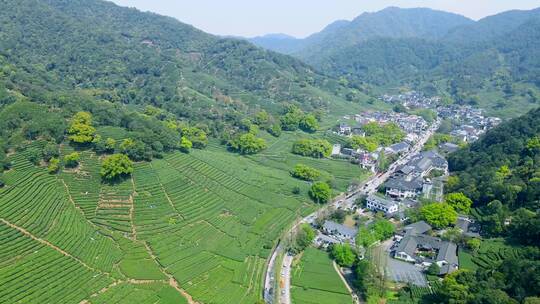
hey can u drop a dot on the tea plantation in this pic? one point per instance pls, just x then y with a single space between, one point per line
315 281
184 228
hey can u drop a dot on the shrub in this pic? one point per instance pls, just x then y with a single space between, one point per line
305 172
185 144
317 148
320 192
72 160
247 144
54 165
115 166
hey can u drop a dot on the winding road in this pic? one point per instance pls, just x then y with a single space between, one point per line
344 201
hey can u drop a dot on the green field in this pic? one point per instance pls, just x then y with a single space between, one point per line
491 253
204 222
314 280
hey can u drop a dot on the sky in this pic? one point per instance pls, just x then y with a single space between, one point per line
300 18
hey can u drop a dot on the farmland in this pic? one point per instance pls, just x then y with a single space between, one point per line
491 253
197 225
316 281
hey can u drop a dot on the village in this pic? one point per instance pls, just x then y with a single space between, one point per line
405 151
415 176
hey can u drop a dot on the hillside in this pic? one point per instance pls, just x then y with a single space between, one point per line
391 22
123 55
503 165
86 83
492 63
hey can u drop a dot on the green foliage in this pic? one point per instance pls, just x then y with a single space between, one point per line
115 166
314 280
72 160
379 230
309 123
185 144
196 136
275 130
383 229
247 143
50 150
384 135
304 237
343 254
439 215
320 192
365 143
458 201
317 148
81 130
292 118
474 244
305 172
433 269
525 227
54 165
436 139
499 167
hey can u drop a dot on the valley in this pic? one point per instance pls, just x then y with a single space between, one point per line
392 158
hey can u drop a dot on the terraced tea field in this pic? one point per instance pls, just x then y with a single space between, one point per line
185 228
315 281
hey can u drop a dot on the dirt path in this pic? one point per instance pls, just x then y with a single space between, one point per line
172 281
50 245
351 291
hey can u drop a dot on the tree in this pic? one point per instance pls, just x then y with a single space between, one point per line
365 237
292 118
343 254
110 145
305 172
247 144
275 130
49 151
317 148
262 119
439 215
338 216
115 166
434 269
309 123
196 136
72 160
365 143
54 165
383 229
474 244
81 130
320 192
185 144
305 236
453 234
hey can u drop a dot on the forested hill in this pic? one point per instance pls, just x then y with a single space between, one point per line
492 63
503 165
123 55
391 22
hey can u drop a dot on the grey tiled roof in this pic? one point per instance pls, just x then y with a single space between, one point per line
341 229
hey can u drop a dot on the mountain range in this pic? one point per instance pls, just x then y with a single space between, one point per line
492 62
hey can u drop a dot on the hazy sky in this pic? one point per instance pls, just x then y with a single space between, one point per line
300 17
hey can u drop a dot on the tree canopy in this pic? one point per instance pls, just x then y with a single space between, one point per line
320 192
317 148
439 215
115 166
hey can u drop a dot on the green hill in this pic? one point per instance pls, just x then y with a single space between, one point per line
81 80
492 63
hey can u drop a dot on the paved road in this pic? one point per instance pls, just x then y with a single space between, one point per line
345 201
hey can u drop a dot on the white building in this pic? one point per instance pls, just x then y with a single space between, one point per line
377 203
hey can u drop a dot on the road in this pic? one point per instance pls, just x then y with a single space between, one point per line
344 201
